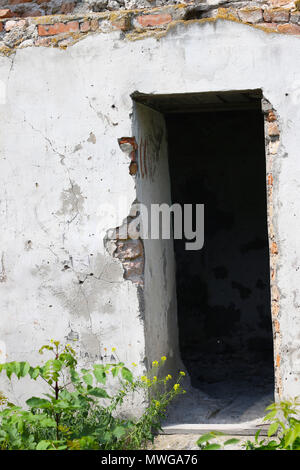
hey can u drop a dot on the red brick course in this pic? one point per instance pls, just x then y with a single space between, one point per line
58 28
154 20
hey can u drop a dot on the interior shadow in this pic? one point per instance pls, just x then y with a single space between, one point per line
217 159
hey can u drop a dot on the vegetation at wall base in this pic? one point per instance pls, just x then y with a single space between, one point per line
283 432
77 413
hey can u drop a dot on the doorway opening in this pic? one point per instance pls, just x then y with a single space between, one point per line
216 156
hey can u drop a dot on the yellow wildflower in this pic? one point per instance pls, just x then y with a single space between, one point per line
176 387
168 377
182 373
163 358
144 378
155 363
134 364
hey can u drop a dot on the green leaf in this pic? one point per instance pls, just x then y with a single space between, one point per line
34 372
272 406
100 374
98 392
115 371
231 441
205 438
292 435
127 374
43 445
273 444
9 367
35 402
74 376
49 348
212 447
257 435
88 379
272 429
118 432
270 415
24 369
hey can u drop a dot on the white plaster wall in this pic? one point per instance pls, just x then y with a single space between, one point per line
153 187
54 100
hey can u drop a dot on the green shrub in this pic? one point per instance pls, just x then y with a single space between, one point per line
77 412
283 424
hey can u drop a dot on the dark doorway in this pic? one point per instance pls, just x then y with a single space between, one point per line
216 157
223 291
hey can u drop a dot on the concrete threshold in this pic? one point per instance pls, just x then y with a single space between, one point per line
238 429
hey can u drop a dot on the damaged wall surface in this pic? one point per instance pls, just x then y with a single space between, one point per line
249 10
63 113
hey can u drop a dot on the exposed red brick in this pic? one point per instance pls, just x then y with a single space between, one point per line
133 168
1 26
276 326
271 116
131 142
274 249
42 1
129 249
85 26
270 180
289 28
6 14
154 20
277 16
57 28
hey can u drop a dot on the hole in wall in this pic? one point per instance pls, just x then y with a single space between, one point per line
196 13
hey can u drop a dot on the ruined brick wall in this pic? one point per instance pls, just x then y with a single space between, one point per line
71 22
252 11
